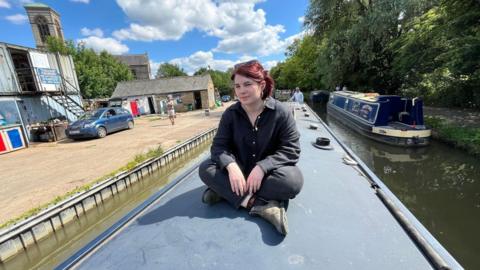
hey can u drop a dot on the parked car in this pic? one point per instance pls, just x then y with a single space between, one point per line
226 98
98 123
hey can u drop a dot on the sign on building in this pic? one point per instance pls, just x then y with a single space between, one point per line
48 76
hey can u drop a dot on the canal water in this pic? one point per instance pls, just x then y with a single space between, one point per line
439 184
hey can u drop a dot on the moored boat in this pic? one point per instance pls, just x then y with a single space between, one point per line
386 118
319 96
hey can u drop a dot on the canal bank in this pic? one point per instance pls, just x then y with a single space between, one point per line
39 174
456 127
439 184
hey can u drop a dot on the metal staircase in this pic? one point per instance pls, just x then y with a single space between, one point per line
29 80
69 104
65 100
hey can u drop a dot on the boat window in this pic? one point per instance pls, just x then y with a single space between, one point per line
356 107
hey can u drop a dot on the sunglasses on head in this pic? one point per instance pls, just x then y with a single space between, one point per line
248 63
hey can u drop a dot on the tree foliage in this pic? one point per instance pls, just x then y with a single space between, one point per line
428 48
220 79
166 70
439 57
301 69
98 74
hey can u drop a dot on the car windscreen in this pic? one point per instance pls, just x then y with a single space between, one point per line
92 115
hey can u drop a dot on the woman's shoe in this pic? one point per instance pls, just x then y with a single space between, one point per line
210 197
273 212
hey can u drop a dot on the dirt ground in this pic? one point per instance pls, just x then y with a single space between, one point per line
35 176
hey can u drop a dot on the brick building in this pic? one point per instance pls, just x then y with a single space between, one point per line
189 92
138 63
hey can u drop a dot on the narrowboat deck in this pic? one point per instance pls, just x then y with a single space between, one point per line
336 222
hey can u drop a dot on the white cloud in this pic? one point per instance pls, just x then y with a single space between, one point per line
169 19
301 19
81 1
4 4
289 40
92 32
148 33
264 42
202 59
153 68
269 64
17 18
241 28
99 44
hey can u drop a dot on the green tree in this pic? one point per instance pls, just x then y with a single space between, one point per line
170 70
439 55
356 37
220 79
98 74
300 68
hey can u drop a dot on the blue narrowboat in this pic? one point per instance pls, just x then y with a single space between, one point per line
386 118
319 96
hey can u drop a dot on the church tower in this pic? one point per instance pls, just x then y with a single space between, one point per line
45 22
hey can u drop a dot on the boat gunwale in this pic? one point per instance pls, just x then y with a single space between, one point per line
440 251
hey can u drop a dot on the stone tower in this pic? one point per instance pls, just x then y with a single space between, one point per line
45 22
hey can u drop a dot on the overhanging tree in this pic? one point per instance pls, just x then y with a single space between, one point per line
98 74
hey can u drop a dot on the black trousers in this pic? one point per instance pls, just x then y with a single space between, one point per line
281 184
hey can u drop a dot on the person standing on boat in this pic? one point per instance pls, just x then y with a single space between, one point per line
254 152
297 96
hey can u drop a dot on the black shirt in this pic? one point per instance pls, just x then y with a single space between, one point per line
271 143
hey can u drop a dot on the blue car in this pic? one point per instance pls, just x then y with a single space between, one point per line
99 123
226 98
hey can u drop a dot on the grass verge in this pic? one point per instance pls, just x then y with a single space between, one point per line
153 153
467 138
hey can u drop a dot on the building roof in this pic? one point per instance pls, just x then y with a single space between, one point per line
162 86
40 6
36 5
133 59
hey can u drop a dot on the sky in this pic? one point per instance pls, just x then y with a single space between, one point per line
190 33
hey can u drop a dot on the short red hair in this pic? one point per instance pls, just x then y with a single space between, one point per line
255 71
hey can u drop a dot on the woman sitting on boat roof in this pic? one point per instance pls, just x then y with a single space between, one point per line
255 150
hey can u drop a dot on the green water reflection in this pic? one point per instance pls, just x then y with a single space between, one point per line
438 183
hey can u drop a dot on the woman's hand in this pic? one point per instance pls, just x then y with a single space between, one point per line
237 180
254 180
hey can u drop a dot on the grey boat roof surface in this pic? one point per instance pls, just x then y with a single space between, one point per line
336 222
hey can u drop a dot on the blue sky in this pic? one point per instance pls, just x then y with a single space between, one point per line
191 33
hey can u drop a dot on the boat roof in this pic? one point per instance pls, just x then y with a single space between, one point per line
371 97
336 222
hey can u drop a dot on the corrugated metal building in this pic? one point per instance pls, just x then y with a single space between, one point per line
189 92
36 86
